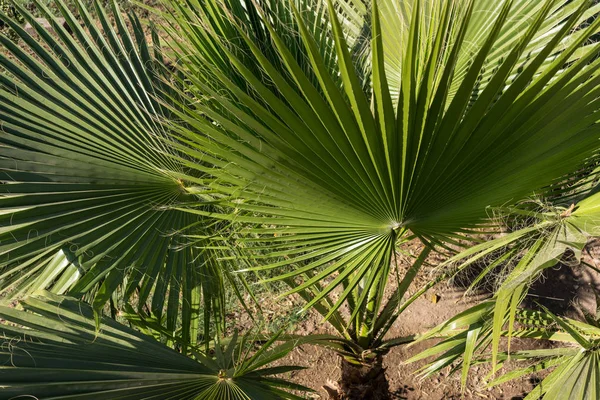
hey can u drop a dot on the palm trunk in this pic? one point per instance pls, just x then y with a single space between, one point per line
362 382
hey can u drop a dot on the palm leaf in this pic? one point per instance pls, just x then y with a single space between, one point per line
87 172
316 171
527 252
59 345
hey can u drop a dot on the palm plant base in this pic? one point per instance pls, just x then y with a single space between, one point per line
361 382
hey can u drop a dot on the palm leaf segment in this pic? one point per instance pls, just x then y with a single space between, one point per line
575 360
70 359
526 253
572 361
329 175
534 248
396 19
88 178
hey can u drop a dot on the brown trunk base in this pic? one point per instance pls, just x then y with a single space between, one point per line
361 382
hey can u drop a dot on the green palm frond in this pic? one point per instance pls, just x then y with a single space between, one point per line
87 172
464 334
573 361
527 252
58 274
332 175
396 20
54 339
537 247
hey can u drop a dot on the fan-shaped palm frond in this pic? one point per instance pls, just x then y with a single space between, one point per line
331 175
87 172
54 340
